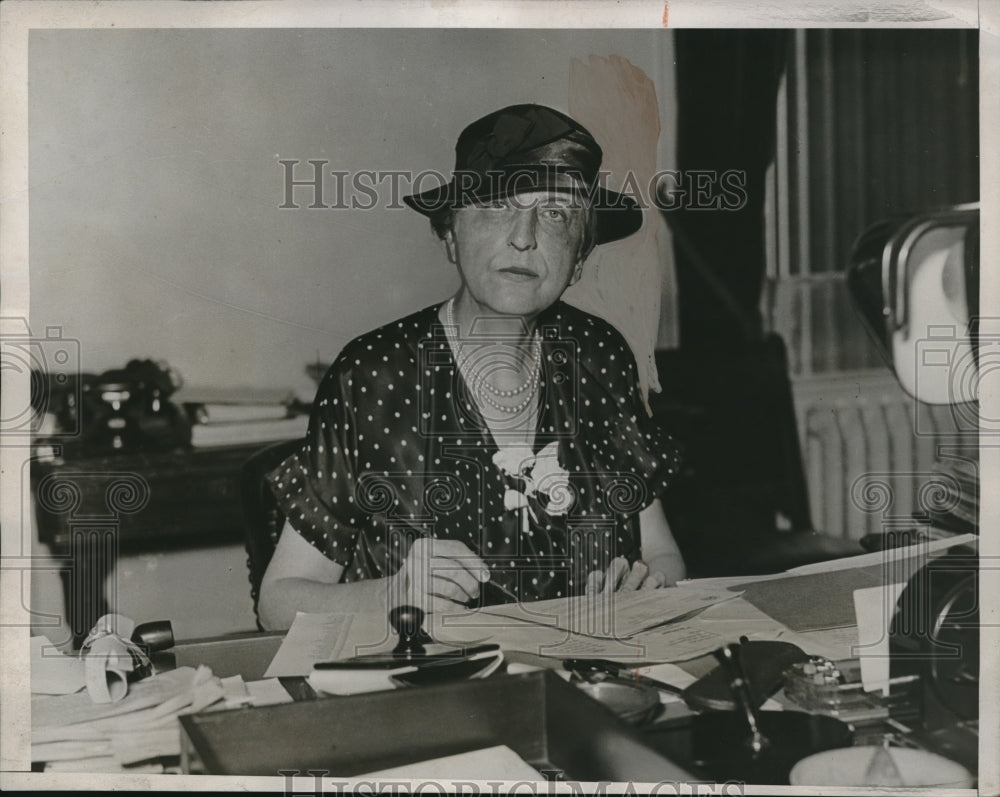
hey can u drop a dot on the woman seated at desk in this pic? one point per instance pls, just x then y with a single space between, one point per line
492 447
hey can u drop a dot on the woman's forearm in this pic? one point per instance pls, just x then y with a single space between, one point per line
281 598
659 548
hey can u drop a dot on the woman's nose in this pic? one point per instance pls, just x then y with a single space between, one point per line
522 230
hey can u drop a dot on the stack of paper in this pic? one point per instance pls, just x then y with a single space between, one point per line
618 615
821 595
237 416
208 434
654 625
812 606
238 693
72 733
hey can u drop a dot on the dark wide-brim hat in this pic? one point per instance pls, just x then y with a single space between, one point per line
530 148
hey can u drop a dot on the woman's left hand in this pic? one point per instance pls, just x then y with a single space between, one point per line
621 578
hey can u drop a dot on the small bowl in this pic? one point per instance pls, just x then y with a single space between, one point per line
847 767
634 704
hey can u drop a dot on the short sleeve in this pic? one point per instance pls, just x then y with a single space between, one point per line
315 487
627 441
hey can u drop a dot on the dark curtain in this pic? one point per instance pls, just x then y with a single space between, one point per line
727 83
726 393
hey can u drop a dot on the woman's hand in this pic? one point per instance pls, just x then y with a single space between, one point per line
620 578
438 575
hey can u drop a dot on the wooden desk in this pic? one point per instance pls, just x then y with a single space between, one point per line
250 654
544 720
238 654
90 510
550 724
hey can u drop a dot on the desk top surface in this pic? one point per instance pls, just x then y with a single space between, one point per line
240 654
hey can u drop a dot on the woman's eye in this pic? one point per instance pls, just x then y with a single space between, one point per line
554 214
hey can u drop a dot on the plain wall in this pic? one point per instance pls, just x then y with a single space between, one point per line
155 178
155 229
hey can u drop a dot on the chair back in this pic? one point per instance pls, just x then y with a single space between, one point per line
742 480
262 519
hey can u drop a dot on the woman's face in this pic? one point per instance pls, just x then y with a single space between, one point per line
518 255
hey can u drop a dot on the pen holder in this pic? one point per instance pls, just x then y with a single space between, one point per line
764 663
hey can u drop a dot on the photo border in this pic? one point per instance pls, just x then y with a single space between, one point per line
18 17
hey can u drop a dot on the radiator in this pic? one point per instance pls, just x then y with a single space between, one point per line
869 451
871 462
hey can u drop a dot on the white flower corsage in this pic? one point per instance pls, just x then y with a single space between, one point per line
541 475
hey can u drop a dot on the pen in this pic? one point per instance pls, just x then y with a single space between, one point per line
512 598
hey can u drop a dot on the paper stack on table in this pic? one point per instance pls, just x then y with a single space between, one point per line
815 606
654 625
812 607
70 731
140 732
614 615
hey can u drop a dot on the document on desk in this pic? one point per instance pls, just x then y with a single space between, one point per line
814 601
160 694
680 641
330 637
616 615
821 596
741 618
900 561
889 557
874 608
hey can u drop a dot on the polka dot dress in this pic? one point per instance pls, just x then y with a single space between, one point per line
397 449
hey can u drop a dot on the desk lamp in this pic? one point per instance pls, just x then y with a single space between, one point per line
915 283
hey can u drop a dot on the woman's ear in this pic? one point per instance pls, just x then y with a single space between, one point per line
449 246
577 273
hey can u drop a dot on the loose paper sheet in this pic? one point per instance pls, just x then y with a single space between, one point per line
892 555
614 615
675 642
813 601
268 692
875 608
888 558
329 637
151 693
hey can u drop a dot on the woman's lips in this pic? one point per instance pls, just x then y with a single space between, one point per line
518 274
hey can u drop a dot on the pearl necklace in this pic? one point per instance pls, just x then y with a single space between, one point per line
478 379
